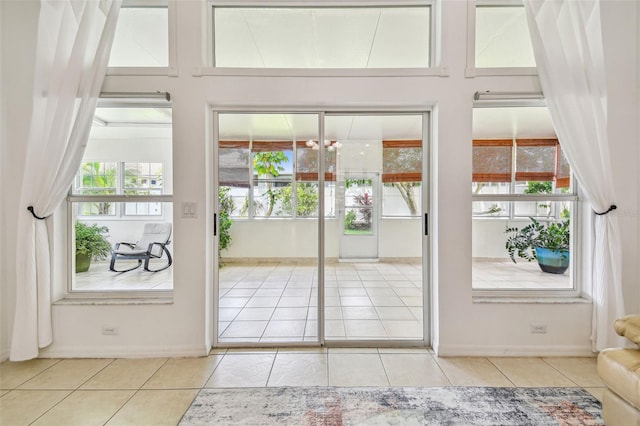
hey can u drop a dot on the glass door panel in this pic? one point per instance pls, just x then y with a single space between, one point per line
373 272
268 202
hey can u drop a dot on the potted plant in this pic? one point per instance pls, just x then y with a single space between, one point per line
90 244
546 243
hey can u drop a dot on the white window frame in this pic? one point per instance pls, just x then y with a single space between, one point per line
471 70
528 295
434 69
71 295
172 69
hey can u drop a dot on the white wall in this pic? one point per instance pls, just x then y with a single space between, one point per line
277 238
19 22
462 326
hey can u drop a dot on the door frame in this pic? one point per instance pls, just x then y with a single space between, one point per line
212 211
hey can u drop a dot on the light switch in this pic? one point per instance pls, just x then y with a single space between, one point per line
189 210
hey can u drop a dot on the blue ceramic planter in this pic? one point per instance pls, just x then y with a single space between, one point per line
552 261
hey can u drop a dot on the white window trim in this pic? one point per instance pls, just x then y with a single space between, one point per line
434 70
172 69
471 70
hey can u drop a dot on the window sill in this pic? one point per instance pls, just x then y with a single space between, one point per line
531 300
167 71
499 72
114 301
321 72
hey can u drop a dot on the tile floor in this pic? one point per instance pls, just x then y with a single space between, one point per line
504 274
278 302
159 391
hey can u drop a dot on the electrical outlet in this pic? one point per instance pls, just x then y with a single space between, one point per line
538 328
110 330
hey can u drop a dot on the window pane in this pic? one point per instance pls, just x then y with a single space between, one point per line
142 38
328 37
99 277
401 199
502 37
493 269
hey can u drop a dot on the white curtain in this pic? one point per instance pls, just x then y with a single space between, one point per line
567 45
73 46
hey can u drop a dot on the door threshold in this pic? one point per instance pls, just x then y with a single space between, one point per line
359 260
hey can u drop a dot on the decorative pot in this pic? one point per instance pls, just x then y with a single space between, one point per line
552 261
83 261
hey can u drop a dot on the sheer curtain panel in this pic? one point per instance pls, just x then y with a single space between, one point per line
73 45
567 43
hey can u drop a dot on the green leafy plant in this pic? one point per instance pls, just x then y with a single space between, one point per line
307 199
226 209
522 242
269 165
91 241
349 218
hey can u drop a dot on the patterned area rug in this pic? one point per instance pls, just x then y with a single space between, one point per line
394 406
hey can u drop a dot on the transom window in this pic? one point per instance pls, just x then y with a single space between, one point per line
142 35
322 37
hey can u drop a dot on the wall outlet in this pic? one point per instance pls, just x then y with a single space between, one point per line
538 328
110 330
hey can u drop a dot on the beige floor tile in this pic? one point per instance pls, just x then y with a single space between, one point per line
255 314
304 349
179 373
531 372
403 350
21 407
125 374
296 369
398 329
413 370
347 369
334 329
598 392
364 329
290 328
154 407
583 371
3 392
13 374
242 370
473 372
85 408
245 329
285 314
67 374
353 350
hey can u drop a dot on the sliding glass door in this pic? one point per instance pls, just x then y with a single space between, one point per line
320 228
268 223
374 277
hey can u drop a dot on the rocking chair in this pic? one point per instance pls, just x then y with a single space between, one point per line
151 245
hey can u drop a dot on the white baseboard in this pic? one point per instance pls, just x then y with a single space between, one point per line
444 350
124 352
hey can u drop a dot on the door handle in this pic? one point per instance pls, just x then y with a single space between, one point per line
215 224
426 224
